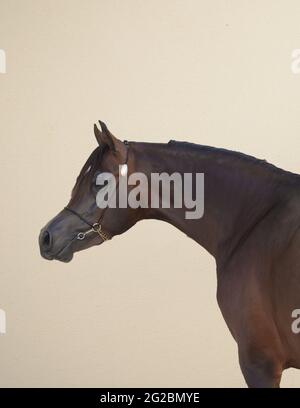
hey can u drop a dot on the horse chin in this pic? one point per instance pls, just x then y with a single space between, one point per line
65 257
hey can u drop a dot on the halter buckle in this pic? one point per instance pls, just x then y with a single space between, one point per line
96 227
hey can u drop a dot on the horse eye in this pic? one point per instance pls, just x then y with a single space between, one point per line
95 177
96 186
99 186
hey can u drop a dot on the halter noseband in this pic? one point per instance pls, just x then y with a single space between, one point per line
96 227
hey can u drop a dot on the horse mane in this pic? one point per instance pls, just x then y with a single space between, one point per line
198 150
231 154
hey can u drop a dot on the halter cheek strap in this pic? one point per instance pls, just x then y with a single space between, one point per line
96 227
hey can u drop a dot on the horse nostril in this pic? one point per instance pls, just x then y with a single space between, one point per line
46 240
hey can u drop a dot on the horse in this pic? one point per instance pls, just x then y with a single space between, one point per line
250 226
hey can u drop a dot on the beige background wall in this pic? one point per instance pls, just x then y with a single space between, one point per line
211 72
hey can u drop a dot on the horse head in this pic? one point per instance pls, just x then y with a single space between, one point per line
83 223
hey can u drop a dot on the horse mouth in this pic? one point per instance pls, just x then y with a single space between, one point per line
64 255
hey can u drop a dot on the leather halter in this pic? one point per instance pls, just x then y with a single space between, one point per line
96 227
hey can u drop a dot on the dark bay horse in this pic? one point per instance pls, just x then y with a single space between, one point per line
250 225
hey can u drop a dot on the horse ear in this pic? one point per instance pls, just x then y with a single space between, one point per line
98 135
105 137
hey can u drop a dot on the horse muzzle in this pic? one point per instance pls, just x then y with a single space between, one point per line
47 250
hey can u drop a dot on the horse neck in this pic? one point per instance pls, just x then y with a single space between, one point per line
238 192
